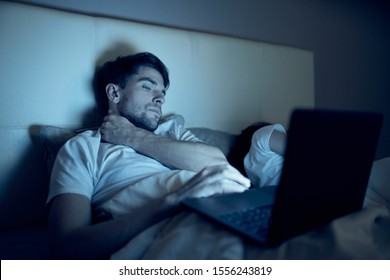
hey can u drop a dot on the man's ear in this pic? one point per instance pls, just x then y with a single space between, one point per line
112 92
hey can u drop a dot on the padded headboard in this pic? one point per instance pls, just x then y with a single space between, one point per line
48 58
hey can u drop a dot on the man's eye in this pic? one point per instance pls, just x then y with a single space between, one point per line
146 87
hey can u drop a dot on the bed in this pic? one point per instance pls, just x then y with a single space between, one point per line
48 63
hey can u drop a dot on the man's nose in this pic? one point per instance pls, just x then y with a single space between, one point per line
159 97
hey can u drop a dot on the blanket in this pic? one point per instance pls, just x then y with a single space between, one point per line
360 235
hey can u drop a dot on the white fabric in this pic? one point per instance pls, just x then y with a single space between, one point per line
262 165
361 235
378 191
99 170
184 236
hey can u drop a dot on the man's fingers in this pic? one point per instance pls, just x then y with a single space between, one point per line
234 175
213 180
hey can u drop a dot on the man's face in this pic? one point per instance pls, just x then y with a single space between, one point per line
142 98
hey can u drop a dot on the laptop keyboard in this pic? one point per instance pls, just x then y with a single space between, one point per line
255 220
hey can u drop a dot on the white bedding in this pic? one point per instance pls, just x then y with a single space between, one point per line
361 235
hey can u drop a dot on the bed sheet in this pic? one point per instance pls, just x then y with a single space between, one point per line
361 235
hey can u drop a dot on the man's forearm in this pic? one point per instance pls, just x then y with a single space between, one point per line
70 239
193 156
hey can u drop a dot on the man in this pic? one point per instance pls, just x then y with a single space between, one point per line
130 149
91 167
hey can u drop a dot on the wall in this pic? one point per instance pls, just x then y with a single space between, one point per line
48 60
350 39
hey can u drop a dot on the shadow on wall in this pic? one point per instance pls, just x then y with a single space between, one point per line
98 86
28 182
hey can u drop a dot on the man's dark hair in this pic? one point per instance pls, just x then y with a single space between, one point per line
119 71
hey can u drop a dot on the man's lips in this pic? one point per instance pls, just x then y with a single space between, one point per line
155 110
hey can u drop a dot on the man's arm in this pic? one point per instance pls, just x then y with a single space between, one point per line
74 236
184 155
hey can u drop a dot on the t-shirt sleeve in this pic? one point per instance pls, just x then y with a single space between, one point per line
73 169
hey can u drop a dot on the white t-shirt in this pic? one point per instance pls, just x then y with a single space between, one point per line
99 170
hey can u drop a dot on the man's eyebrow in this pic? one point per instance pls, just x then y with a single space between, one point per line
142 79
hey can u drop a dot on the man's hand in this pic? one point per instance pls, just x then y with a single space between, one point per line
212 180
117 129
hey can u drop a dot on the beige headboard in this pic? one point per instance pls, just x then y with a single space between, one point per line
48 58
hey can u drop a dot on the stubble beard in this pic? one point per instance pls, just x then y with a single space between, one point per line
142 121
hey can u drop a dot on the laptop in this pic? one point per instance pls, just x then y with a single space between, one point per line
327 164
